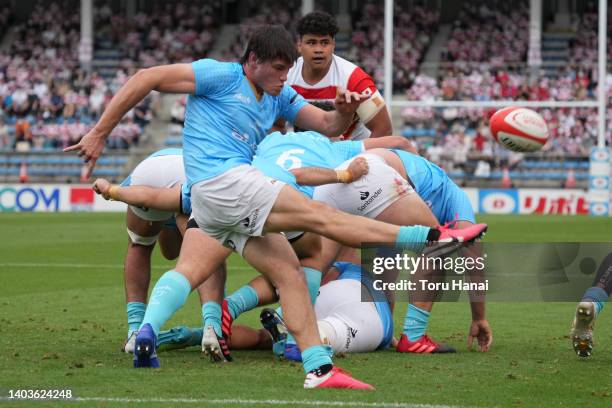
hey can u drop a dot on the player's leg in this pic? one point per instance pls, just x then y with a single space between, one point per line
457 208
410 209
293 212
170 240
200 257
590 306
308 249
142 235
260 292
272 256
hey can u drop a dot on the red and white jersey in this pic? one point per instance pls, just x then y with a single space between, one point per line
343 74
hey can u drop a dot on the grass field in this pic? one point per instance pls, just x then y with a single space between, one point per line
62 323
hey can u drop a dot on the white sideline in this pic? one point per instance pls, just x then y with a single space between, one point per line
85 265
240 401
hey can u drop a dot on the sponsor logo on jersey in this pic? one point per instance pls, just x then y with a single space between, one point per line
242 98
370 200
243 137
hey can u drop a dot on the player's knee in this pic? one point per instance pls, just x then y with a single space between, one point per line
137 239
291 278
170 243
169 252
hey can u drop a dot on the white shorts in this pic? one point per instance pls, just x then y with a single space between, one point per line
161 172
234 206
351 326
368 196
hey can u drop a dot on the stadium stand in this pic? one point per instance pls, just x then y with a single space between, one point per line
412 35
49 102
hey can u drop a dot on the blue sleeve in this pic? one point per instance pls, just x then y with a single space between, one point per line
185 200
290 104
348 149
214 77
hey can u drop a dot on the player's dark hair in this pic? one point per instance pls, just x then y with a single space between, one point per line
269 42
317 23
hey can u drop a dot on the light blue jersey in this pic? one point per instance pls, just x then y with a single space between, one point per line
224 121
279 153
351 271
446 200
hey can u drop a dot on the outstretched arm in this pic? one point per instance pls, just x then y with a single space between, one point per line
176 78
164 199
317 176
331 123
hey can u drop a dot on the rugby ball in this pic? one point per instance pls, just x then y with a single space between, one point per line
519 129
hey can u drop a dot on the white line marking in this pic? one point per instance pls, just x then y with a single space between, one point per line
240 401
92 266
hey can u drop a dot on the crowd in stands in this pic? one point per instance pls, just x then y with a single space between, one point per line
498 35
284 12
413 32
169 32
48 102
6 18
573 130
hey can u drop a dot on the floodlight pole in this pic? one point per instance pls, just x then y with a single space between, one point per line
388 60
86 41
602 59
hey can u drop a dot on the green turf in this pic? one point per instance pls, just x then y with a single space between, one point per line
62 322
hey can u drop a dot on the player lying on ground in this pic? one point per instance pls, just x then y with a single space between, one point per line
590 306
347 322
229 109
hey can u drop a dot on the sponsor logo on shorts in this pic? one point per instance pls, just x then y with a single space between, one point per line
350 335
250 222
364 194
370 200
229 243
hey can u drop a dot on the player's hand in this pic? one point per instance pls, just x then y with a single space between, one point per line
102 186
358 168
90 147
347 102
481 331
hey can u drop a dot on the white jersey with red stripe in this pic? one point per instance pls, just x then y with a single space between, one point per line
343 74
